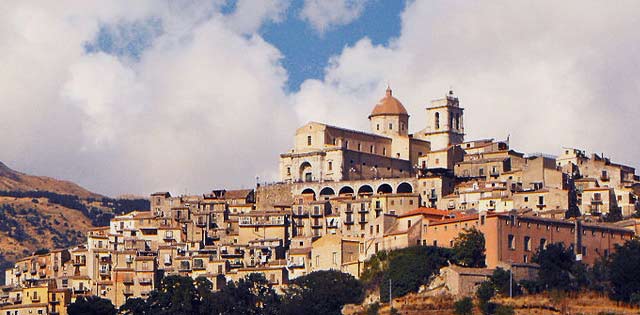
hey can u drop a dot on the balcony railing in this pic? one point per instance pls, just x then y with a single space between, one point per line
596 201
604 177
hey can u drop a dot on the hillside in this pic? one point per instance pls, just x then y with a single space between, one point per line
40 212
11 180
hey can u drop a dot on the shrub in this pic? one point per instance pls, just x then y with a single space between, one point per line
464 306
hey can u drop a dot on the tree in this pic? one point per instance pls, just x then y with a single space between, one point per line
410 268
91 305
485 293
135 306
469 248
250 295
556 263
463 306
614 215
322 293
624 272
501 281
176 295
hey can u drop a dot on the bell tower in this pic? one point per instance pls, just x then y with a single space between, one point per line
445 124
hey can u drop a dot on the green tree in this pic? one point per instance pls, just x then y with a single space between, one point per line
251 295
322 293
91 305
485 293
500 279
469 248
410 268
624 272
135 306
463 306
176 295
556 263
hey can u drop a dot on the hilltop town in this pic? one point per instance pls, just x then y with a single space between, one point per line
343 196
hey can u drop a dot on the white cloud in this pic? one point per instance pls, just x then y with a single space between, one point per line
549 74
202 107
324 15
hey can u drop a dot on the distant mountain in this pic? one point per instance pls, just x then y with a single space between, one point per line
42 212
11 180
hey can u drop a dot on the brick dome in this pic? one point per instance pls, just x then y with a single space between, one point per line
389 105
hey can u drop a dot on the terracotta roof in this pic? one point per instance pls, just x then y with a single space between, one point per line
425 211
237 194
388 105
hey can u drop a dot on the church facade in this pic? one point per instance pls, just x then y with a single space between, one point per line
328 153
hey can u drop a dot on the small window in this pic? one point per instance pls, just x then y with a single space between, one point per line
390 126
309 140
527 243
543 243
378 127
512 242
526 199
330 166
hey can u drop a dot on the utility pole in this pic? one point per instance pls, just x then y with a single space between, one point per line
511 279
390 298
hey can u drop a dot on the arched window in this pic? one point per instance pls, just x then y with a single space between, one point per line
457 121
437 120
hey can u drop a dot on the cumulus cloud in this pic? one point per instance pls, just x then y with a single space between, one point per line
183 111
548 74
324 15
132 97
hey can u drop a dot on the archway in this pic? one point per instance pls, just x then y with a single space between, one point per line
345 190
385 189
309 192
306 172
327 191
365 190
404 188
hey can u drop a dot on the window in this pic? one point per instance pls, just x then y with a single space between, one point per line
335 258
526 199
289 171
540 200
543 243
390 126
481 172
317 260
435 243
330 166
525 259
372 149
527 243
437 120
401 126
377 228
309 140
408 223
512 242
359 146
378 127
584 251
384 151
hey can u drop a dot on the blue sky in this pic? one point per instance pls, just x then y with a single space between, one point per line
306 52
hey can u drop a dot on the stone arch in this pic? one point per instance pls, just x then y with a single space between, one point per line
345 190
365 190
404 188
306 172
385 189
309 191
327 191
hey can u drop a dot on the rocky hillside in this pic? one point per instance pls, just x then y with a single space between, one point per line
41 212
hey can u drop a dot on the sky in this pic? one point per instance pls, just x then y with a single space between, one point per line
187 96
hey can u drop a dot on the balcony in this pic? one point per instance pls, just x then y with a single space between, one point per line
104 271
43 265
604 177
127 292
236 264
494 174
596 201
35 298
433 197
78 263
145 281
541 205
201 224
300 214
317 214
169 238
362 221
128 281
232 254
348 222
80 290
316 225
33 271
42 274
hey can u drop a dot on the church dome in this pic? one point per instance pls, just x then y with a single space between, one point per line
389 105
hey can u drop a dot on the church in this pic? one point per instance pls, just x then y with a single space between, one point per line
328 153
